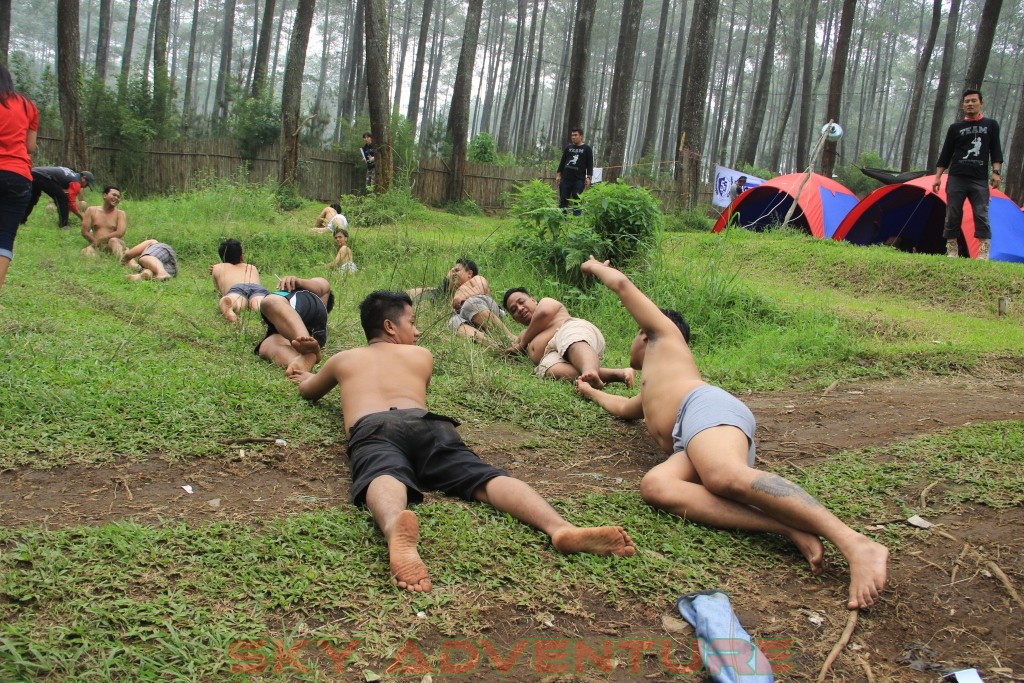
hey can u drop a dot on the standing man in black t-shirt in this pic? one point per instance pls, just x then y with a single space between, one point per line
575 170
969 146
370 158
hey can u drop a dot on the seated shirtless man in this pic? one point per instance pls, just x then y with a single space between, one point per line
236 281
474 311
562 347
397 448
103 226
296 317
708 434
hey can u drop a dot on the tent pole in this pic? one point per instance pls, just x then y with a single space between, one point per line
810 170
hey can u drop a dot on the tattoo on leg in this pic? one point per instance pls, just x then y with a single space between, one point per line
777 487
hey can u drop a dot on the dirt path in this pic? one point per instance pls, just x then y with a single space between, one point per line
944 610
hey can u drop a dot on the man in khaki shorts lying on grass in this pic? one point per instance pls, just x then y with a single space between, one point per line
708 434
562 347
397 448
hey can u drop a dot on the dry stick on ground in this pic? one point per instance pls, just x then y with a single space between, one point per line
956 565
867 669
1003 578
844 639
250 439
924 493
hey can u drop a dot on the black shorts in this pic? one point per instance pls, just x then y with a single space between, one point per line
418 448
312 312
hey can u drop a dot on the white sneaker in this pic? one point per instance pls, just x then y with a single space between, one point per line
983 248
952 249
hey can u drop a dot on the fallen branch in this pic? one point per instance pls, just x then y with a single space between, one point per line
250 439
844 640
1005 580
924 493
867 669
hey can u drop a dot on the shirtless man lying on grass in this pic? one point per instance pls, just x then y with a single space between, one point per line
398 449
237 281
708 434
296 317
562 347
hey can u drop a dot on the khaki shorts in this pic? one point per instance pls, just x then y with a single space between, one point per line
572 331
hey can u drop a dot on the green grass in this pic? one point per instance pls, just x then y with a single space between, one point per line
103 370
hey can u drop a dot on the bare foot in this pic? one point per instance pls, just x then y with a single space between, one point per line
629 377
811 548
230 315
307 346
89 251
407 569
600 540
869 572
592 378
161 278
144 275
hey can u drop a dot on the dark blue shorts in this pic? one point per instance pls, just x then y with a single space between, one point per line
418 448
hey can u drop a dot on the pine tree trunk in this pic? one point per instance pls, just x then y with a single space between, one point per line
417 72
291 95
755 122
277 44
68 69
654 105
803 134
975 77
5 30
919 82
377 84
102 40
458 114
259 69
622 89
669 130
579 56
187 110
129 41
161 76
321 85
835 84
696 77
515 78
942 88
224 72
789 93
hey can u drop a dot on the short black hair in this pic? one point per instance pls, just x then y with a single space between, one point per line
108 188
341 231
510 292
367 134
972 91
742 177
468 265
336 207
680 322
576 130
330 300
380 306
230 251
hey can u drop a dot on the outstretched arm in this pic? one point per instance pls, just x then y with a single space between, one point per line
313 387
644 311
316 285
628 408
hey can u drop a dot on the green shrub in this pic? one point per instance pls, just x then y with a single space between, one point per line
466 207
288 198
379 209
689 220
856 182
482 149
255 122
627 218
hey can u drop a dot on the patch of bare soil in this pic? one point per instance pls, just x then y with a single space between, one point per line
946 607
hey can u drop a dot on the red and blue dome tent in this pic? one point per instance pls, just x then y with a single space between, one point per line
822 205
914 215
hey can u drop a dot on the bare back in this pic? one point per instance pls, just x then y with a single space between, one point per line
669 375
381 376
227 275
555 313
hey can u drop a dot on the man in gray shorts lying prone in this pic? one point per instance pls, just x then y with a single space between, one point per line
709 436
237 281
397 448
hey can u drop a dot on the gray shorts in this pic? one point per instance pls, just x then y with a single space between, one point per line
164 253
709 406
470 307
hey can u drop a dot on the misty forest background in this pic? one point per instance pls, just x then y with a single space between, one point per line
663 88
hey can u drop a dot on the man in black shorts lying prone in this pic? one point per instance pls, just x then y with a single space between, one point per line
296 318
397 448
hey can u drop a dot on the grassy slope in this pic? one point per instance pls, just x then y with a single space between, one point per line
108 370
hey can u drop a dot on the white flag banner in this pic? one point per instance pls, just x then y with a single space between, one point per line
724 179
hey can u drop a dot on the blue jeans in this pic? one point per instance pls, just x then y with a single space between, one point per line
569 189
15 193
975 190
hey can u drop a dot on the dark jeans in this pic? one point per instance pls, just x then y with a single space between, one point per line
57 192
569 188
15 193
975 190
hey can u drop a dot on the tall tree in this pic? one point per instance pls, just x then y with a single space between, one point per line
291 94
579 55
942 87
161 77
803 133
654 105
1014 170
696 77
515 79
835 83
102 40
458 114
259 72
129 41
668 131
227 40
755 121
5 30
983 44
68 68
789 93
377 85
622 88
321 85
917 94
187 107
417 71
